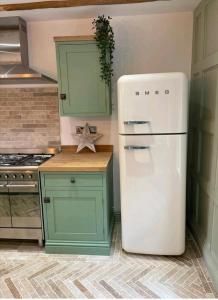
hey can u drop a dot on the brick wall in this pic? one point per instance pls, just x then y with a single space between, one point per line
29 117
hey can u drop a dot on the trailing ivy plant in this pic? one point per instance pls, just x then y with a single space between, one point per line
104 37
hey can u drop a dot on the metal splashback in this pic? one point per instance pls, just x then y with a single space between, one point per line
14 60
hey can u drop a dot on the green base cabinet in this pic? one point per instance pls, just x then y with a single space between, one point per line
82 92
77 212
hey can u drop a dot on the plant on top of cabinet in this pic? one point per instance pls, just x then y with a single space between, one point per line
83 90
104 36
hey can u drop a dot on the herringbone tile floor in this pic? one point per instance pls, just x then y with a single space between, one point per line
27 272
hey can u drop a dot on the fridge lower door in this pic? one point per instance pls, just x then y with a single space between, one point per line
153 193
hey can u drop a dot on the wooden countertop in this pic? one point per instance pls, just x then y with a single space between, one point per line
69 161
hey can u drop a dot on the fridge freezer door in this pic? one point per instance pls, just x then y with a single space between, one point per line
153 193
153 103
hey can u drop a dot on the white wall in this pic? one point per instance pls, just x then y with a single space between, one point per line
144 44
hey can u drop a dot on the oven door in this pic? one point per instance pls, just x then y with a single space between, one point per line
5 210
25 204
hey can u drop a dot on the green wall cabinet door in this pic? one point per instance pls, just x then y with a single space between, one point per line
77 211
82 92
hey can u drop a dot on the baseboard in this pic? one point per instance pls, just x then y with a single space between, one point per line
103 249
212 266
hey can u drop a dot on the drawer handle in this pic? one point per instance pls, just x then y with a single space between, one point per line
63 96
73 180
46 200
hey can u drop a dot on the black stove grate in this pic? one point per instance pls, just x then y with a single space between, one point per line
16 160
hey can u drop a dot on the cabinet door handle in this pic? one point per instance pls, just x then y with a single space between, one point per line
72 180
46 200
63 96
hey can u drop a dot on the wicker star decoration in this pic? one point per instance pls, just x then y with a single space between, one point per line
87 139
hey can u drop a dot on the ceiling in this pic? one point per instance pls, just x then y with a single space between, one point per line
92 11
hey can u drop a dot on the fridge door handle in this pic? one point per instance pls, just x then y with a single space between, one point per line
136 122
130 147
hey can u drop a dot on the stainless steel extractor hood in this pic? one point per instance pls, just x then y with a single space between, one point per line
14 60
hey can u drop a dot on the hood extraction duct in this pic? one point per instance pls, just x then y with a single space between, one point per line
14 59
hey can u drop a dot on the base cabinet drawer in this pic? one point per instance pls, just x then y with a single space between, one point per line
73 180
74 215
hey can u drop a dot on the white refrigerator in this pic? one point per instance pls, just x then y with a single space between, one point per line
152 112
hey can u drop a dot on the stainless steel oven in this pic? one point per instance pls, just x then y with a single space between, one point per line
20 207
20 202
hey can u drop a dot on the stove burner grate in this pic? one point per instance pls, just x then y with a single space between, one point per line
20 160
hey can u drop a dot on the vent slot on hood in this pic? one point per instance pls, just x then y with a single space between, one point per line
14 60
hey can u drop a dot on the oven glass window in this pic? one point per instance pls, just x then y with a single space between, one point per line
25 210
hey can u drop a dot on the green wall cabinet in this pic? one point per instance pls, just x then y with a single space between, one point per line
82 92
77 211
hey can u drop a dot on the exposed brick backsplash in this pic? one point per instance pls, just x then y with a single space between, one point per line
29 117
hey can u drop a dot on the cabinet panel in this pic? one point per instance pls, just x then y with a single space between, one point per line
214 245
194 150
203 213
74 215
196 100
210 95
79 78
211 27
206 156
194 201
198 38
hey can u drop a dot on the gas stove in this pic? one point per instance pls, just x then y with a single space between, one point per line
28 159
23 160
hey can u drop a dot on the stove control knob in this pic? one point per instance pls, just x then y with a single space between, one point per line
6 176
14 176
29 176
21 176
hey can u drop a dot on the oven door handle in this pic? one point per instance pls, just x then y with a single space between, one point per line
21 185
31 187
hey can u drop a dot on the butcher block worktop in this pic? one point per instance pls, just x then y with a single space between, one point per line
69 161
